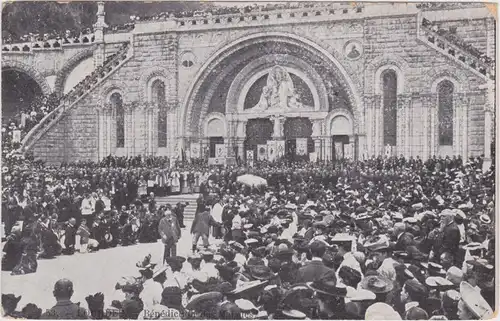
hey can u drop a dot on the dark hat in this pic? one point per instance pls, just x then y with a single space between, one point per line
228 253
261 272
416 289
328 285
416 313
435 269
283 252
349 275
259 251
175 261
146 263
376 284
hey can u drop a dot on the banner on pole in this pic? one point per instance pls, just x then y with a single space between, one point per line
271 150
250 155
261 151
313 157
195 150
280 148
301 145
339 150
348 151
220 151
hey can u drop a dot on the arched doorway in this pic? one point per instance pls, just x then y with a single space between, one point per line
297 128
227 70
341 133
215 132
258 131
19 93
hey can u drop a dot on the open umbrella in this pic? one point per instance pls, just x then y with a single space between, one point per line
251 180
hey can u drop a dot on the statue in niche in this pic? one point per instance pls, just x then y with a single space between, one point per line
278 95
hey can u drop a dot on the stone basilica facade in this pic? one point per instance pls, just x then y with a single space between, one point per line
353 81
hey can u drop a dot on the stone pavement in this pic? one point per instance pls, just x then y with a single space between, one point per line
90 273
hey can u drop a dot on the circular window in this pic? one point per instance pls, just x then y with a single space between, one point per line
188 59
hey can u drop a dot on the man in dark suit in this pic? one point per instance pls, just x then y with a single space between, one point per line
201 226
170 233
314 269
451 235
403 238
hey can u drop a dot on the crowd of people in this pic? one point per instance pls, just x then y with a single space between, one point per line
384 238
450 34
68 36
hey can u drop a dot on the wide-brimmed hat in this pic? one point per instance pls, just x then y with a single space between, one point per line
195 258
159 270
381 311
484 218
358 295
475 302
435 269
261 272
328 285
439 283
283 252
293 314
376 284
377 243
175 260
199 298
246 305
473 246
247 288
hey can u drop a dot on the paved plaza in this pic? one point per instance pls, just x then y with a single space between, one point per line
90 273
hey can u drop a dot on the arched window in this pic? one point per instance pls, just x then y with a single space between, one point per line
390 105
445 112
158 98
117 105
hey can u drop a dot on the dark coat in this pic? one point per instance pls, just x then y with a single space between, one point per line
202 223
312 271
170 232
451 239
405 240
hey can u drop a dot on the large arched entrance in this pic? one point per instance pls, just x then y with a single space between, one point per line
19 93
233 83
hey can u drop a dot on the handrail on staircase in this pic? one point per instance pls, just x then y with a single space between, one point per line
462 54
78 92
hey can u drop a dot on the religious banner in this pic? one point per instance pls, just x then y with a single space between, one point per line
313 157
16 136
280 148
339 150
261 152
250 155
195 150
388 151
220 151
348 151
271 150
301 146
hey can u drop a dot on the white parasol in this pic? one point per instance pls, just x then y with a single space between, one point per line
251 180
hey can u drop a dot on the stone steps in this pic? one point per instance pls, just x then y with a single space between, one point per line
189 211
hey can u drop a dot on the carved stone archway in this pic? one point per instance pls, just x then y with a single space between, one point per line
30 71
62 75
191 104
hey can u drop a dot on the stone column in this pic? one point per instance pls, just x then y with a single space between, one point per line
370 130
317 147
378 141
99 53
489 110
352 142
433 115
241 148
424 109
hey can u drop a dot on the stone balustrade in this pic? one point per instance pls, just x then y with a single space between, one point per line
458 53
242 19
51 44
83 87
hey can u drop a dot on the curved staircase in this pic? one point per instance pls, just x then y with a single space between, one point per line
83 88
